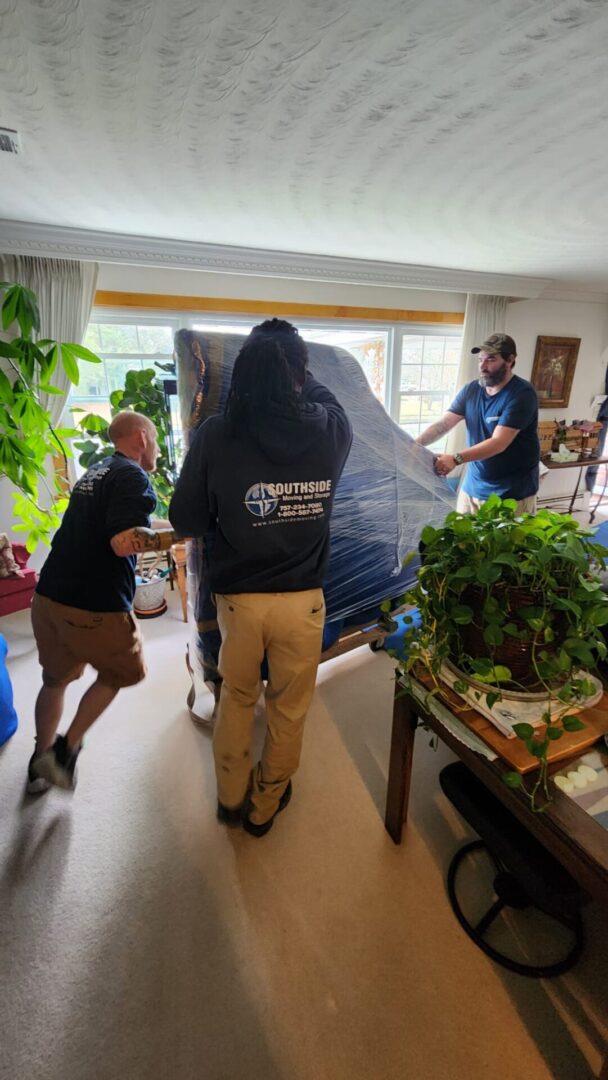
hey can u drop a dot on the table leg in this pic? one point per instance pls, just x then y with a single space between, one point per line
578 480
599 499
400 763
179 556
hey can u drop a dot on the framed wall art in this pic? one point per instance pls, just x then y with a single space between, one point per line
553 370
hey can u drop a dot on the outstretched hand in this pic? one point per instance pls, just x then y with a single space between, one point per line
443 464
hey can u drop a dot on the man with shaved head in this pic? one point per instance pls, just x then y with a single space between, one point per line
82 608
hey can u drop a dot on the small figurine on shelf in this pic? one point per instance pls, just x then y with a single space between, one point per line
590 437
559 436
9 567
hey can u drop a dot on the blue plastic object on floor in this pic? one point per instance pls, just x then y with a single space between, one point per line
601 534
395 640
8 716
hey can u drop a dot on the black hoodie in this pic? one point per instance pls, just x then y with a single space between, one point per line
268 495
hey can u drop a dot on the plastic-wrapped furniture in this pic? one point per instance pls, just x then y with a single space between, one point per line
387 493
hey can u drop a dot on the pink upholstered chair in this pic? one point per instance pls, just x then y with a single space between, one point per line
16 592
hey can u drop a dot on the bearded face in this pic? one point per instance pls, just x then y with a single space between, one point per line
493 369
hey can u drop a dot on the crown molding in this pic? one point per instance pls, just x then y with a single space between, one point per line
27 238
572 294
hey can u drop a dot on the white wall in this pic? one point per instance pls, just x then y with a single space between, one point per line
526 319
121 278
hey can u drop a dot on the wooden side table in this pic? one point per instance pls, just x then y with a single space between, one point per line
571 835
580 465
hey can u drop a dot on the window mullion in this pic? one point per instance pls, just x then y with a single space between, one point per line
393 374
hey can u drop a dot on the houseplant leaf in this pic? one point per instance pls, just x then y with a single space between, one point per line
27 436
69 364
82 353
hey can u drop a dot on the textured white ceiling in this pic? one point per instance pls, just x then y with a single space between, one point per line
459 133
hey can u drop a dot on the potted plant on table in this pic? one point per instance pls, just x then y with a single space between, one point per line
513 603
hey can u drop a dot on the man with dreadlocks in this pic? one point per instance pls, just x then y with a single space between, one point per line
264 475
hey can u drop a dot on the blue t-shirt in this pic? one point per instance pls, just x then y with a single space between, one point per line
82 570
512 474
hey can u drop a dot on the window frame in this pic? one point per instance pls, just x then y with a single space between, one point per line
188 320
413 330
126 317
307 323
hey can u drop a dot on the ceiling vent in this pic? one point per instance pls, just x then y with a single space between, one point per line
10 143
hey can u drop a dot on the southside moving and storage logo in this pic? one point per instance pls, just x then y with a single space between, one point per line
260 500
295 499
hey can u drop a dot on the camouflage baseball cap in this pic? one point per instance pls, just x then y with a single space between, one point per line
498 343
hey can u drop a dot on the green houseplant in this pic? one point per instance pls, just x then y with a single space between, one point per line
27 437
143 393
513 602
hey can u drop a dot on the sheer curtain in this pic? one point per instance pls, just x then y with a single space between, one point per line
65 289
483 316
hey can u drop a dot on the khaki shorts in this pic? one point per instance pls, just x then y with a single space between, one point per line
69 638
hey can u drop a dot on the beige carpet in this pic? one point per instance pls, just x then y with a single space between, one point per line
142 941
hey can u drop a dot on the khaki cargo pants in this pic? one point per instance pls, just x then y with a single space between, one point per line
288 629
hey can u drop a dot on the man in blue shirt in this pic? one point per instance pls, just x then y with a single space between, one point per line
500 411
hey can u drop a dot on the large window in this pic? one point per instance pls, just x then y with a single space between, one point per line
367 345
125 343
123 346
427 382
411 370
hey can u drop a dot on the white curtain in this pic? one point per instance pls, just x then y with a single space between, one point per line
483 315
65 289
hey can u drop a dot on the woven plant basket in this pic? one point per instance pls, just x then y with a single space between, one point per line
149 595
513 653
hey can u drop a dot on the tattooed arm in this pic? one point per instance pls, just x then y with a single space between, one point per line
437 431
139 538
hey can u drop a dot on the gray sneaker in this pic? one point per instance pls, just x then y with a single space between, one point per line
57 765
36 785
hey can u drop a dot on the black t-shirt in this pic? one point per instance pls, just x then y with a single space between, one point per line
81 570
